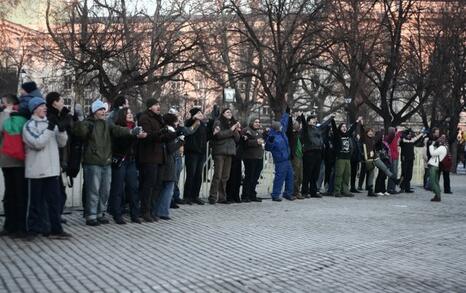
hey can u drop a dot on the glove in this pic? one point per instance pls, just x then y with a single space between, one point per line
52 122
61 127
179 132
136 130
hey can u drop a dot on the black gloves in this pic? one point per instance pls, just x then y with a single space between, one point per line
53 121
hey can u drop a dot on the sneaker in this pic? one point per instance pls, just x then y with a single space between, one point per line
92 222
120 221
435 199
61 235
198 201
103 220
386 193
290 198
380 194
277 199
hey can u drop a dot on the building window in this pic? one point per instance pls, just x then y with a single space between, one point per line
68 82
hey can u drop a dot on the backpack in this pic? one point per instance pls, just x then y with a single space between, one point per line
13 145
446 164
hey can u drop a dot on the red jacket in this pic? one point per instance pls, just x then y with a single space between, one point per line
394 153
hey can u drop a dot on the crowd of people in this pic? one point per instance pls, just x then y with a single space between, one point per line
136 160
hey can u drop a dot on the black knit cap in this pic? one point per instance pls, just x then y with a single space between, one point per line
29 86
151 102
194 111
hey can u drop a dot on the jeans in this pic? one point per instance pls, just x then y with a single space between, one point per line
252 173
14 200
165 198
283 174
370 169
222 168
150 184
342 175
124 181
44 206
391 181
97 188
194 164
434 180
179 168
311 171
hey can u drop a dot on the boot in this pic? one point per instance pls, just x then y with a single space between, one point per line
370 192
436 198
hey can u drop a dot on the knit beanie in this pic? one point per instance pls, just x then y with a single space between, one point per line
97 105
34 103
194 111
29 86
151 102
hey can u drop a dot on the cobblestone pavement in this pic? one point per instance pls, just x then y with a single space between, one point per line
401 243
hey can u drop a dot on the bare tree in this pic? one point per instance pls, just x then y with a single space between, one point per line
286 37
122 50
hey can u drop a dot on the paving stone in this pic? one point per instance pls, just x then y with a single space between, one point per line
400 243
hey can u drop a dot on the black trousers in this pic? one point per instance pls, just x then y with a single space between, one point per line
311 171
380 182
14 200
354 172
44 206
252 173
234 182
406 174
150 186
194 164
446 181
362 175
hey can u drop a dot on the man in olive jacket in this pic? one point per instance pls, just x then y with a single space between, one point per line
97 158
151 157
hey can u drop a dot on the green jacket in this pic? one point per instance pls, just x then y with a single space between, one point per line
97 135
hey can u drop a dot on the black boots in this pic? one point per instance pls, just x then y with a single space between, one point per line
370 192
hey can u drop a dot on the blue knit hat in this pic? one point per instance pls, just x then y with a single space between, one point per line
97 105
34 103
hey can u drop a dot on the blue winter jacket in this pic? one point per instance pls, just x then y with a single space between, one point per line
278 145
24 102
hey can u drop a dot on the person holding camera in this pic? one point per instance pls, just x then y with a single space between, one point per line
124 170
195 149
226 133
438 151
407 143
97 136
